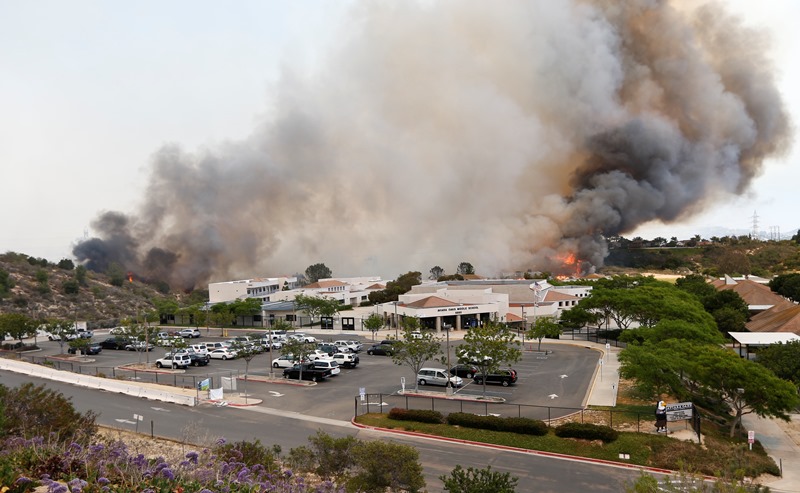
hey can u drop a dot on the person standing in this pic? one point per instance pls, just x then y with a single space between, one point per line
661 417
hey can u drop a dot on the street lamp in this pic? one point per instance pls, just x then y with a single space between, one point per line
395 320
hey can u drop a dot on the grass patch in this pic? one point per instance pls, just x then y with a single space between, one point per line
718 456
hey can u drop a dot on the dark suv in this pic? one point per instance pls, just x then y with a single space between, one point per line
464 371
115 342
505 377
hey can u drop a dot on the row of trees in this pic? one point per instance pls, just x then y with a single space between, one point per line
676 348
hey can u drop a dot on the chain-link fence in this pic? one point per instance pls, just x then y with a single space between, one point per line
552 415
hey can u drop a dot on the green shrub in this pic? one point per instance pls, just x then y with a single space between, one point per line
249 453
587 431
525 426
419 415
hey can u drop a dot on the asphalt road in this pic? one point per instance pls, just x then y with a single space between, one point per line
290 429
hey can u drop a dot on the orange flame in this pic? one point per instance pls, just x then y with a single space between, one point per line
130 276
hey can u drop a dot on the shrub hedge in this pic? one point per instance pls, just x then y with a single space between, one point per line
419 415
587 431
525 426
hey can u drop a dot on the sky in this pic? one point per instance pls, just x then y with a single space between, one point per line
92 91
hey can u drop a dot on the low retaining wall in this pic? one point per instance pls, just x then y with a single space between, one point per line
110 385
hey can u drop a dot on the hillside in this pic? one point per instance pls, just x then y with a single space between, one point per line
39 292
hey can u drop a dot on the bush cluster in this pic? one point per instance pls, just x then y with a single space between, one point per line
419 415
587 431
525 426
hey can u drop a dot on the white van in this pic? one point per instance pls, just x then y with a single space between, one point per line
199 349
437 376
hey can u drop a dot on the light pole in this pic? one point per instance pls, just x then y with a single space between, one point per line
395 320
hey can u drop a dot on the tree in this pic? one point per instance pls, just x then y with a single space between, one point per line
394 289
316 272
488 346
70 286
436 273
66 264
247 352
787 285
709 373
35 411
60 329
695 284
381 465
544 327
316 306
783 360
245 308
42 278
80 275
373 323
116 276
17 326
299 350
465 268
6 283
414 350
578 317
479 481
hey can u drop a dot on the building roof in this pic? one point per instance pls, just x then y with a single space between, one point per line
763 338
432 302
551 295
783 317
377 285
332 283
511 317
278 306
753 293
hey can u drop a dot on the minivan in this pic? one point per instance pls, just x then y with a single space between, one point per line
437 376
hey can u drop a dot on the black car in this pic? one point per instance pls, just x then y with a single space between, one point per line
328 348
115 343
464 371
93 348
197 358
381 349
309 372
505 377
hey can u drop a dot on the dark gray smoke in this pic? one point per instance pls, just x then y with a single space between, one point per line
507 134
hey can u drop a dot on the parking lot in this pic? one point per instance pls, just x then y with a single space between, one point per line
558 377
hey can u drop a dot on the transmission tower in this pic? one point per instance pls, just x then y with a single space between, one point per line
754 232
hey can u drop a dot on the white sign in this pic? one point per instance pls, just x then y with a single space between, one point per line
751 437
608 346
362 392
680 411
403 383
138 417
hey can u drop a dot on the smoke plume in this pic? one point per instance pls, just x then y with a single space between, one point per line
507 134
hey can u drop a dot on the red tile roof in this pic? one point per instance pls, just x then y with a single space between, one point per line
432 302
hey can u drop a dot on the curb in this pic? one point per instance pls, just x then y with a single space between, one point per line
454 397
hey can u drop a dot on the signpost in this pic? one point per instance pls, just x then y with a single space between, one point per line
751 437
682 411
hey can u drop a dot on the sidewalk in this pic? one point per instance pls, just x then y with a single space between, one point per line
781 447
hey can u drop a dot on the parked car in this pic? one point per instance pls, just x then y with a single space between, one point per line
354 346
286 361
118 331
330 364
93 348
381 349
222 353
464 371
303 337
199 349
139 346
389 342
166 340
416 334
318 354
115 342
197 359
438 376
309 372
178 360
346 360
505 377
189 333
328 349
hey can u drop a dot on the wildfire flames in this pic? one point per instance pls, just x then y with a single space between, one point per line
569 263
130 276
